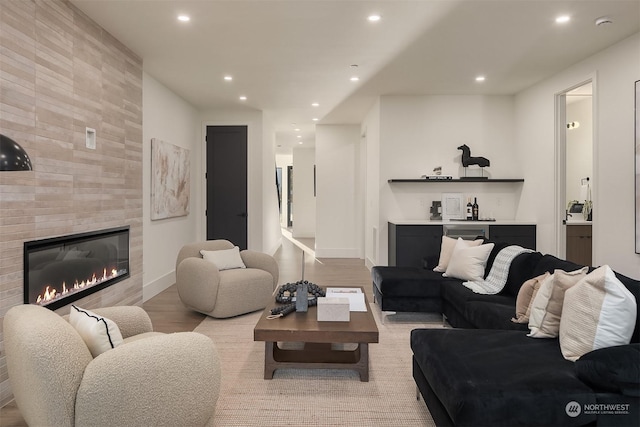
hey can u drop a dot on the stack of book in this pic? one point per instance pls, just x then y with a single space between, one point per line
437 177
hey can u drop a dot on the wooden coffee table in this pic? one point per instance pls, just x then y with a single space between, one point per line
317 337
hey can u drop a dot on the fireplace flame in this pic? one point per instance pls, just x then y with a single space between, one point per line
50 293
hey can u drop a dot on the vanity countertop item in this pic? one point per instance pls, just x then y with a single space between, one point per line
578 222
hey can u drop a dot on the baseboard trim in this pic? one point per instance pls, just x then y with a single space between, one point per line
154 287
368 262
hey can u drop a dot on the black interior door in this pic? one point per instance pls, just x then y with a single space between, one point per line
227 184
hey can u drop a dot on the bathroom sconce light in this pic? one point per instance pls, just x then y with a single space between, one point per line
12 156
573 125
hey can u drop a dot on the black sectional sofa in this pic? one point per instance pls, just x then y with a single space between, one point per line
486 371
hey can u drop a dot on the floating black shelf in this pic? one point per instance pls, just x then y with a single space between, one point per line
431 181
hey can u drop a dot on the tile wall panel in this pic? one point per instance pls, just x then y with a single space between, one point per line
59 74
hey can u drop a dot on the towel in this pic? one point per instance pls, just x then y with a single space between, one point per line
497 277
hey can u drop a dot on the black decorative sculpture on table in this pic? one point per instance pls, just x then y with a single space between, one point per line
467 160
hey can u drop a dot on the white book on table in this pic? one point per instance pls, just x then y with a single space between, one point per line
354 295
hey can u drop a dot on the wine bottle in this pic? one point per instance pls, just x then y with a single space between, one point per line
469 209
475 209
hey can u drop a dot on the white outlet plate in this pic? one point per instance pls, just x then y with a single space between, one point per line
90 137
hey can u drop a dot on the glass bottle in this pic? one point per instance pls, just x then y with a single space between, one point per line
475 209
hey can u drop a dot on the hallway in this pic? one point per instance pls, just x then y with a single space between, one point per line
324 271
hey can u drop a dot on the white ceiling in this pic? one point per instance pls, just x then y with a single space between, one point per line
285 54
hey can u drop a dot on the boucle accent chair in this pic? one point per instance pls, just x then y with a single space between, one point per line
152 379
223 293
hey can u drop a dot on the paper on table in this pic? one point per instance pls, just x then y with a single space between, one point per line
354 295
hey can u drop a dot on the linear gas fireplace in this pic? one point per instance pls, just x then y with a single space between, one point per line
60 270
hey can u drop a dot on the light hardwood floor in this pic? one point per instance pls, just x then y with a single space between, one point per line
169 315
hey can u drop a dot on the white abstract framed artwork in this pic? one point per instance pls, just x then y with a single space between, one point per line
637 165
170 180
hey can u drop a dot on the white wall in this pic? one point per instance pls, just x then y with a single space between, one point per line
579 147
614 70
171 119
418 133
304 202
271 233
338 225
370 132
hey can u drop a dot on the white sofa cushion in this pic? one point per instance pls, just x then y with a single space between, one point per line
468 262
446 249
526 295
546 308
598 312
225 259
99 333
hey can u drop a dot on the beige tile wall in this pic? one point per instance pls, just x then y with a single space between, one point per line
60 73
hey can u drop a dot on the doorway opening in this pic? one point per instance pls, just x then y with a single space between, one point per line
289 196
575 172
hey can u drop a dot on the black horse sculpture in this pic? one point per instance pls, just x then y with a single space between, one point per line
467 160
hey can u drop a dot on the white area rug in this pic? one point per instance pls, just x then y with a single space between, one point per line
317 397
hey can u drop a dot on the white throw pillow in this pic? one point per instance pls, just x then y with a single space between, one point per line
99 333
225 259
526 295
546 308
468 262
446 249
598 312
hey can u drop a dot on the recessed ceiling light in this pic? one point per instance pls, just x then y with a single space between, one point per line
354 78
480 78
299 136
374 18
243 98
184 18
315 104
300 142
563 19
297 129
315 119
228 78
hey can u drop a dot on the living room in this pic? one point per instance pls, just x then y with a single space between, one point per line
130 106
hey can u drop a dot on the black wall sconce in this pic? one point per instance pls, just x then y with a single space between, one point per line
12 156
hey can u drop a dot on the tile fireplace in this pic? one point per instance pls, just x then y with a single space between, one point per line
60 270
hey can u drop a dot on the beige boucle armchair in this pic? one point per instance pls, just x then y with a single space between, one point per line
224 293
152 379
